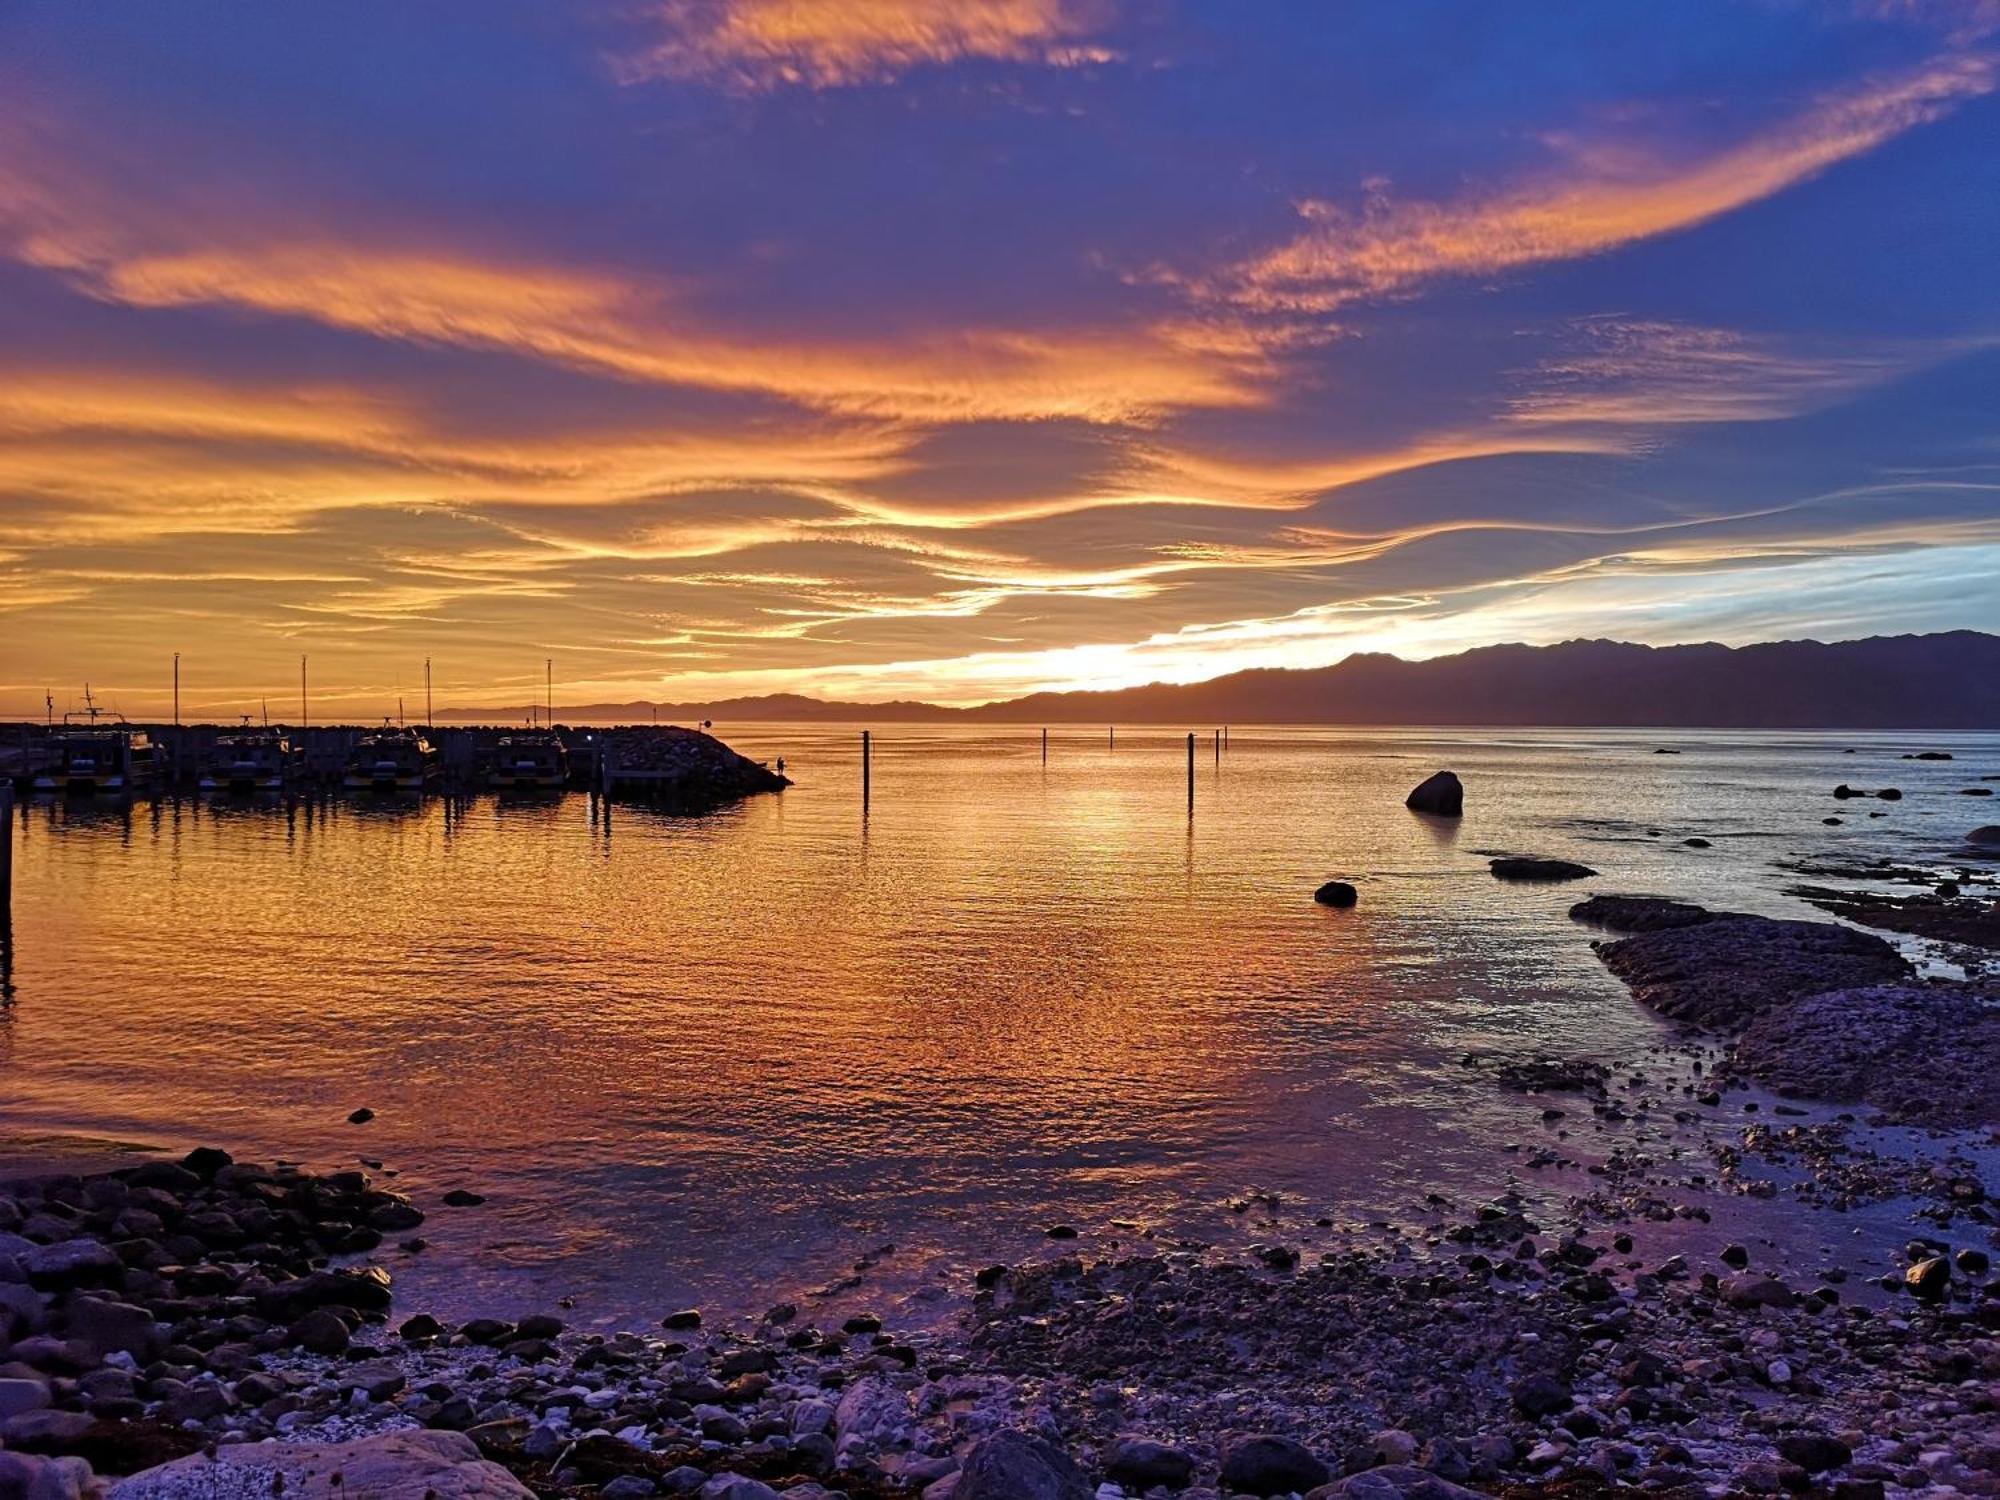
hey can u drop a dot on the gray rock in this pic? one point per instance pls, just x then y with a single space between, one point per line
1750 1289
390 1466
1814 1452
1140 1463
45 1431
1267 1464
322 1331
1393 1482
629 1487
71 1260
1541 1395
108 1327
728 1486
1015 1465
17 1396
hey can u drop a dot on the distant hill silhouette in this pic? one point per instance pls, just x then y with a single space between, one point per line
1944 681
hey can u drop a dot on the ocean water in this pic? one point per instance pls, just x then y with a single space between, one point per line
729 1060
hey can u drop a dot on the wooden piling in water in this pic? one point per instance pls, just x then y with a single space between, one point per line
866 750
6 846
1190 749
1045 747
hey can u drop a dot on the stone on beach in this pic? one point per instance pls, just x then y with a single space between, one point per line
1267 1464
431 1464
1393 1482
1140 1463
1015 1465
1440 795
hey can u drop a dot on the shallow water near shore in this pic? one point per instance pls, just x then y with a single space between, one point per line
726 1060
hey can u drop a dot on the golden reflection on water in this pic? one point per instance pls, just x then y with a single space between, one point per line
700 1056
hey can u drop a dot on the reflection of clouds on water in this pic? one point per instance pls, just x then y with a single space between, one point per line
710 1058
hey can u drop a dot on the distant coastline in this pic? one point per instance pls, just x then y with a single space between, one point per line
1943 681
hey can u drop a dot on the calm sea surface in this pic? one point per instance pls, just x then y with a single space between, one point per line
722 1060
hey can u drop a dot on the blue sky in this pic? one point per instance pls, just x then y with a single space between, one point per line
893 347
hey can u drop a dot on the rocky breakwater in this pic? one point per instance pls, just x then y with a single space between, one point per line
683 769
1814 1009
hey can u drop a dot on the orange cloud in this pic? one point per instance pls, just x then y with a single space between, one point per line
824 43
56 215
1613 194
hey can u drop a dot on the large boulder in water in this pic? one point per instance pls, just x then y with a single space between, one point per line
1336 893
1441 795
1986 838
435 1464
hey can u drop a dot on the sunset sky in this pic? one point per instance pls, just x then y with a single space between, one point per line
877 348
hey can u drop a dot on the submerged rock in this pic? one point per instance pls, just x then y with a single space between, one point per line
1441 795
1924 1053
1540 869
1641 913
1336 893
1723 973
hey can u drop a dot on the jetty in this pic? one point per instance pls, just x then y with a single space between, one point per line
663 764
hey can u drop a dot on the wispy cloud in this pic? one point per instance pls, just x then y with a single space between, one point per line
1609 191
761 44
1627 372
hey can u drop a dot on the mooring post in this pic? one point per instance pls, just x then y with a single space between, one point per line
6 846
1045 747
1218 747
1111 733
866 749
1190 749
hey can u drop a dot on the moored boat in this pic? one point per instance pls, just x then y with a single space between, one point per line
533 760
251 760
391 760
103 759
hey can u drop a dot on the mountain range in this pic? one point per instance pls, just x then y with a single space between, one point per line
1948 680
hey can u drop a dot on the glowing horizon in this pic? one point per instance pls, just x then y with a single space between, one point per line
903 349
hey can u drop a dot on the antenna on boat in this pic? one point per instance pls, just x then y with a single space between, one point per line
267 713
304 718
177 690
49 705
399 710
549 687
427 692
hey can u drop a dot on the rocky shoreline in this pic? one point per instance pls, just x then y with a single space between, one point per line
213 1328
